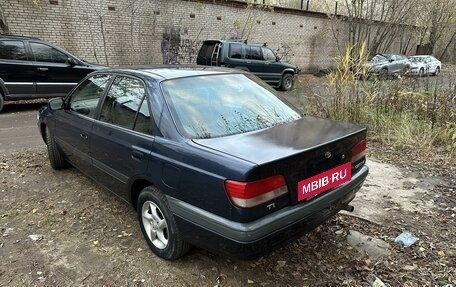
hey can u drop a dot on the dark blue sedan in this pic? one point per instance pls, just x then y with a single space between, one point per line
208 157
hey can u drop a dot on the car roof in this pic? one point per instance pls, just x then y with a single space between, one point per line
166 72
239 41
390 54
19 37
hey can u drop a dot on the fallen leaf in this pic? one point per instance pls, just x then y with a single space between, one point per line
410 267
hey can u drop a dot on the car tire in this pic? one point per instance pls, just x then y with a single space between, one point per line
56 158
158 225
2 102
437 71
287 82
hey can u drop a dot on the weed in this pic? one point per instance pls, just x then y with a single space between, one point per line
403 112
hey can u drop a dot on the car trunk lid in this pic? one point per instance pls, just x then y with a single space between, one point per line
297 150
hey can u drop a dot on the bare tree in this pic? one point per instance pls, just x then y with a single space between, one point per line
377 23
135 9
91 8
436 20
253 8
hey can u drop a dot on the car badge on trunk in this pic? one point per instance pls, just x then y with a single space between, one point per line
327 154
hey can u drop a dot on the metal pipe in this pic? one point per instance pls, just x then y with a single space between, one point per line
348 208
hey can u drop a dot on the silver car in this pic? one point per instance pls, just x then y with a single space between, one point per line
388 64
423 65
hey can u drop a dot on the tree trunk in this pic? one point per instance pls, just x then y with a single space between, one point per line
448 45
104 39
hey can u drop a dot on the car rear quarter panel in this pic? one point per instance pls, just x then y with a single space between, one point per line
196 175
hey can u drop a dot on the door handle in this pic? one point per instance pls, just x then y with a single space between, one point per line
249 62
42 69
84 136
137 155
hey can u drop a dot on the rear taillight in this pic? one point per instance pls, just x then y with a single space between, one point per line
249 194
359 151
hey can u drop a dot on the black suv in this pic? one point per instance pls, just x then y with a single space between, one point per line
31 69
255 58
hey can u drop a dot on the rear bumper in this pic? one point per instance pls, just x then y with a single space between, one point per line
253 239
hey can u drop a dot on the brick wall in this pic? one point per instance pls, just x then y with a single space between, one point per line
144 31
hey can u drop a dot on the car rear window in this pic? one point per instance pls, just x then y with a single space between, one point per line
205 53
221 105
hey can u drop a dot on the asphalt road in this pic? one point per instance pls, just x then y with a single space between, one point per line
18 127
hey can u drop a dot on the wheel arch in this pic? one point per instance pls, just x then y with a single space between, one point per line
288 71
43 132
136 187
3 90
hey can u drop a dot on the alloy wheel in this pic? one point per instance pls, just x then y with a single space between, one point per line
155 225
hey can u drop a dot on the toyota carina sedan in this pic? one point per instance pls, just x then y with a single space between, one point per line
207 156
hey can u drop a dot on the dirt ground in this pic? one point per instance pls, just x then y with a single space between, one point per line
58 228
89 237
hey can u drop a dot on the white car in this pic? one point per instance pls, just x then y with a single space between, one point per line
425 65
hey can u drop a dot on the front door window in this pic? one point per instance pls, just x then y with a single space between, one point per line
85 98
268 55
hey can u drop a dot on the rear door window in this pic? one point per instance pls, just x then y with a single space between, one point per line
235 51
12 50
253 53
125 105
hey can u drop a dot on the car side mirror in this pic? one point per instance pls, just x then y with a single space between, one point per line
277 59
56 104
391 60
71 61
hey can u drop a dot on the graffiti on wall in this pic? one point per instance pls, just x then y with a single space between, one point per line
285 52
178 48
234 34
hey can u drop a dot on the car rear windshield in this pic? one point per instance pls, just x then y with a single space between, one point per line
220 105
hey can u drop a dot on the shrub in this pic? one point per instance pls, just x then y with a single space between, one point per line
403 112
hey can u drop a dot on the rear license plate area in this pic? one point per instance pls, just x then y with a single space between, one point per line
324 181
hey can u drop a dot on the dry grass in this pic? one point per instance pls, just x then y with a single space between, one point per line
402 112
